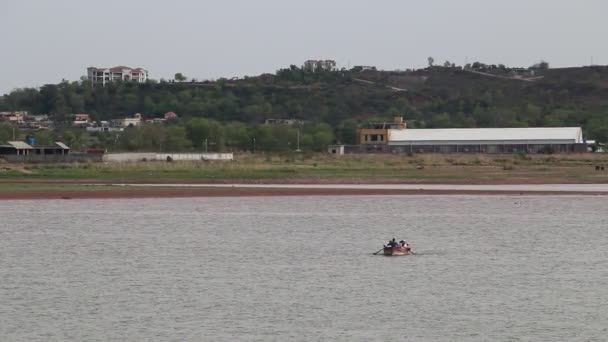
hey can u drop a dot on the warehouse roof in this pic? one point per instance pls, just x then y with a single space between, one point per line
20 145
565 134
62 145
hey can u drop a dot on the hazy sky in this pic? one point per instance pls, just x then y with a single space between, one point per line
44 41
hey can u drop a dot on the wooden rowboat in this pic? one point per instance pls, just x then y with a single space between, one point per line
396 251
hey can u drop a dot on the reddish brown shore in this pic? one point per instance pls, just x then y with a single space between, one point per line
172 192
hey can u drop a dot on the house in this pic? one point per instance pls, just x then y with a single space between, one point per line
13 117
104 76
136 120
80 120
81 117
170 116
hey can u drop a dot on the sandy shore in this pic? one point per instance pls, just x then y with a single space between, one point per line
177 192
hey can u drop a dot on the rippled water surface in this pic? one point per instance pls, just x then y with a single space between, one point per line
301 268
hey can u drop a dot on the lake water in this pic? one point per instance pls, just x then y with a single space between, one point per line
488 268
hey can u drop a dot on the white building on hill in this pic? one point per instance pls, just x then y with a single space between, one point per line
314 65
118 73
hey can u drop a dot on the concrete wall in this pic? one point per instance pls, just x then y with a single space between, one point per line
128 157
195 156
132 157
114 157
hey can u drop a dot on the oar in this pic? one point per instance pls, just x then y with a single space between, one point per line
379 251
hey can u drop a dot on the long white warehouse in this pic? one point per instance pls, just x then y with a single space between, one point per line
490 140
397 138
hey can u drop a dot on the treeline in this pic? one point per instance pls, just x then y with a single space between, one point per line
435 98
193 135
250 100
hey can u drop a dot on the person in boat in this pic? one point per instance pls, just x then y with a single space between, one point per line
392 243
405 245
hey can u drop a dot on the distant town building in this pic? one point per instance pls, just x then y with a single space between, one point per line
21 148
289 122
103 126
170 116
136 120
314 65
99 129
38 118
13 117
119 73
79 120
360 68
336 149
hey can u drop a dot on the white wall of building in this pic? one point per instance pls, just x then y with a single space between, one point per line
134 157
486 136
335 149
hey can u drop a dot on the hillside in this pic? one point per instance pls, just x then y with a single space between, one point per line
434 97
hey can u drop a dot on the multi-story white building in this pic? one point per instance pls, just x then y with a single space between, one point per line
118 73
314 65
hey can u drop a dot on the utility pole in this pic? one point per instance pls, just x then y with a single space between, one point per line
253 145
298 149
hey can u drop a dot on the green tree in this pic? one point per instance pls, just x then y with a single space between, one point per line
179 77
176 139
44 137
77 140
131 139
238 136
77 103
206 133
347 132
153 137
6 132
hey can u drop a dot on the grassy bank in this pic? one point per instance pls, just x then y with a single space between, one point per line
17 187
321 168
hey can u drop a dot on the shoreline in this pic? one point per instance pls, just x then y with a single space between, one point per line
129 192
308 181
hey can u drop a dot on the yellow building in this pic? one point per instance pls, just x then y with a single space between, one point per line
379 133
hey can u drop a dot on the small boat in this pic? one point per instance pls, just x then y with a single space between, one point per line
396 251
